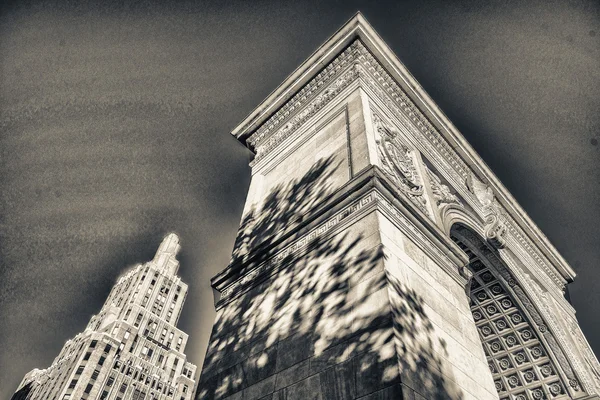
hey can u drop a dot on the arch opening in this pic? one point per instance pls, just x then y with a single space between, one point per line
517 354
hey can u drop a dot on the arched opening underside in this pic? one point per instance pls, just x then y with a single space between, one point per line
513 339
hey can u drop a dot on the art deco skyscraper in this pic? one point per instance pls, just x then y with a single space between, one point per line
132 348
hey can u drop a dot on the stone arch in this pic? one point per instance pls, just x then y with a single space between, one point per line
456 214
523 356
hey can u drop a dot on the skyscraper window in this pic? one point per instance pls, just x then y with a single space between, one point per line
116 365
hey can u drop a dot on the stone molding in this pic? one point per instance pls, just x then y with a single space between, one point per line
306 103
375 198
276 262
321 119
531 297
589 381
356 62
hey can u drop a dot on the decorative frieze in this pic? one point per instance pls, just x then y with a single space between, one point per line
276 261
306 103
356 62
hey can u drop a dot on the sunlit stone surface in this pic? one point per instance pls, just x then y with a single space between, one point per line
357 270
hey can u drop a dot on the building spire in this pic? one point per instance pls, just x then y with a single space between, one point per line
169 245
166 254
132 349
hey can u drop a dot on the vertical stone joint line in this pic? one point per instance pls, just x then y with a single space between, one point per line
348 144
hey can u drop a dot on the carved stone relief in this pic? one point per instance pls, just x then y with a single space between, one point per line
441 193
436 148
494 226
398 161
591 362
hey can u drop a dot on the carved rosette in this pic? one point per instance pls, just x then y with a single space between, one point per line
518 356
397 161
561 379
494 228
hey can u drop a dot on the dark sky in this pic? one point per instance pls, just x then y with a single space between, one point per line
115 120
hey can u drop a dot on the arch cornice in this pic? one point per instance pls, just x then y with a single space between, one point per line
475 202
374 64
452 214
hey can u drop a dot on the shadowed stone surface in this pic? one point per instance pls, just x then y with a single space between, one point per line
344 281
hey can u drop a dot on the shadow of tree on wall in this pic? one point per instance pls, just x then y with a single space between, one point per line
331 324
283 208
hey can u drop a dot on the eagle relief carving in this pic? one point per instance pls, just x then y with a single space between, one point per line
397 161
495 229
441 193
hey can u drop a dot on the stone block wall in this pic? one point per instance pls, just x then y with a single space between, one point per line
439 350
319 329
288 185
364 312
358 312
